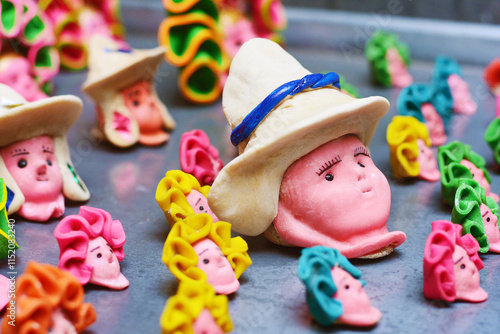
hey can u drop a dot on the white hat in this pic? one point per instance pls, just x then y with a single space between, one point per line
111 70
246 191
21 120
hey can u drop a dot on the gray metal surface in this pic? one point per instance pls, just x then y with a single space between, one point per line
271 299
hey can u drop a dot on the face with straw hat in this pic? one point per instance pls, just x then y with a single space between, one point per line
34 154
121 83
304 175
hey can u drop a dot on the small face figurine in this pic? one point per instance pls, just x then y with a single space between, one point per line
199 203
434 124
206 324
490 224
142 106
462 99
216 266
16 74
106 270
478 175
397 69
355 301
427 162
33 165
338 177
467 279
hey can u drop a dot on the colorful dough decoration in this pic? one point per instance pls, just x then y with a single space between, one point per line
303 146
492 138
410 154
121 82
389 59
196 309
334 290
448 77
200 250
452 264
456 161
35 163
477 214
6 234
492 78
198 157
91 246
49 300
180 195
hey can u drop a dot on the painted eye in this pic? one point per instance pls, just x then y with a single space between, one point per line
49 162
136 103
462 266
99 255
201 208
361 165
329 177
22 163
346 287
206 261
488 219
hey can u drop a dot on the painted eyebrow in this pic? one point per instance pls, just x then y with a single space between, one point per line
484 214
203 252
329 164
95 249
48 150
460 259
20 153
198 201
361 150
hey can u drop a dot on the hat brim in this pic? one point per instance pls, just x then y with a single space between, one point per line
52 116
246 191
125 75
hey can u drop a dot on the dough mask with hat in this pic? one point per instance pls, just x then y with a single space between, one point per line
304 175
34 154
120 81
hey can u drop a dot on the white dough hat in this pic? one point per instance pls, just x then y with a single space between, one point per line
21 120
246 191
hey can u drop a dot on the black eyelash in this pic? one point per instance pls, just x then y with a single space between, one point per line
47 149
361 150
327 165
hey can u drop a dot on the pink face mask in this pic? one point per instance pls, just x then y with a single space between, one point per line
33 165
491 227
141 104
61 324
206 324
199 203
397 69
434 125
216 267
17 75
462 99
356 307
335 196
106 268
427 163
467 280
478 176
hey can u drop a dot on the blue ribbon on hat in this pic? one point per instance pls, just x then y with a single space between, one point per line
257 115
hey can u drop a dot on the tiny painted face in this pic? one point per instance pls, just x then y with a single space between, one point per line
356 306
199 203
141 104
490 224
33 165
462 99
478 176
427 163
397 69
237 34
106 268
61 324
467 279
17 75
216 267
206 324
434 124
335 196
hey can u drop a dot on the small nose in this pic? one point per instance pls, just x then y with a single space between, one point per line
361 173
42 169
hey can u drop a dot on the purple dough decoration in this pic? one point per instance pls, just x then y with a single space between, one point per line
91 246
199 158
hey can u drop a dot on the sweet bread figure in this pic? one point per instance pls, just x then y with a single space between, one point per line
303 158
